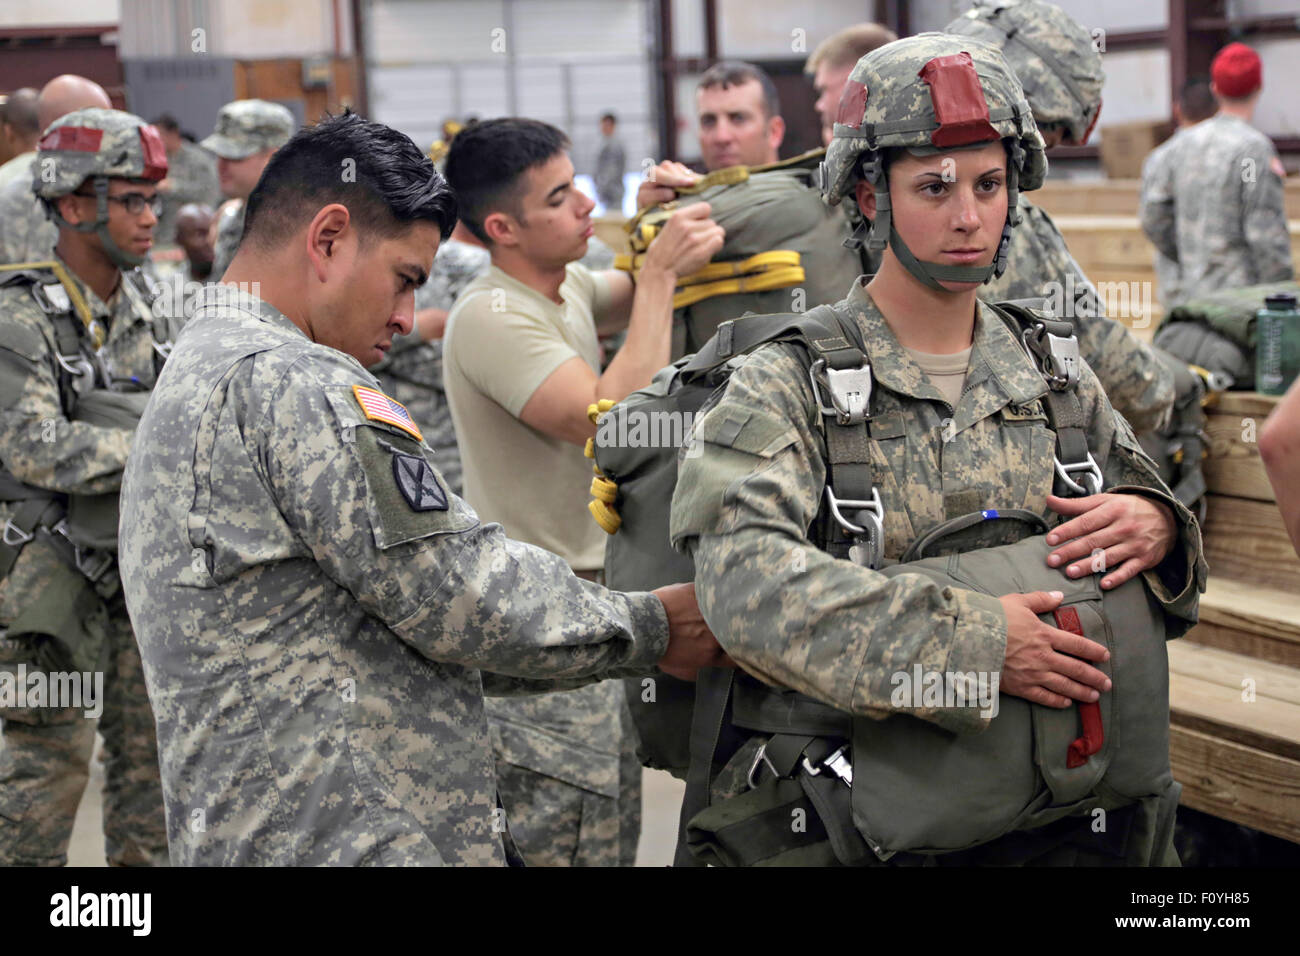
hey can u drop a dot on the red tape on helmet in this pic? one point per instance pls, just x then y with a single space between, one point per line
155 154
853 104
76 139
1091 126
958 99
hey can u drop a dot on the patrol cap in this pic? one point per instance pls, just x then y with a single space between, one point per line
245 127
1236 71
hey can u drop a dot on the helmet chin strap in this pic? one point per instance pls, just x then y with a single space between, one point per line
116 254
932 273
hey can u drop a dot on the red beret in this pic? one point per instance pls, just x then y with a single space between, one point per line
1236 71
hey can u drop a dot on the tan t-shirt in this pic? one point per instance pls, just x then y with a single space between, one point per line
503 340
946 372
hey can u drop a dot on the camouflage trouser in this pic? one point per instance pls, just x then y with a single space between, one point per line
555 823
45 756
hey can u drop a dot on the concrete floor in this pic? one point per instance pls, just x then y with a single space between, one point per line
662 798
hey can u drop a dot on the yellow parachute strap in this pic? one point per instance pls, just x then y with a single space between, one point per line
1211 397
608 519
604 492
731 175
754 265
778 269
782 278
79 304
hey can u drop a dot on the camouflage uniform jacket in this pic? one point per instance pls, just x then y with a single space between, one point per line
793 615
316 648
1223 217
1137 383
38 444
230 229
412 371
1157 174
26 234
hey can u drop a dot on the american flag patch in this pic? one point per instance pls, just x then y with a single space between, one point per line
378 407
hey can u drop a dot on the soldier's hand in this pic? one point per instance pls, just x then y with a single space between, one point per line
662 182
687 243
691 645
1117 535
1042 662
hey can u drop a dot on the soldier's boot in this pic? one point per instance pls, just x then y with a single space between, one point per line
44 756
135 826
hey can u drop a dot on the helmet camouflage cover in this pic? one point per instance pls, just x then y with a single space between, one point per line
929 93
1055 58
95 142
96 145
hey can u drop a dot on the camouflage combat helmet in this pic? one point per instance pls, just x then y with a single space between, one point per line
929 93
1055 60
98 145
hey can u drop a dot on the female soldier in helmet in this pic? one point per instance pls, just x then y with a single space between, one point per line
967 417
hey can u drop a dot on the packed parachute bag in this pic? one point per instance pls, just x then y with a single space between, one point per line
784 250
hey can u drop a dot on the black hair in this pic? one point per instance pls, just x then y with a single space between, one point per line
20 111
609 116
734 73
1196 101
383 179
487 160
168 122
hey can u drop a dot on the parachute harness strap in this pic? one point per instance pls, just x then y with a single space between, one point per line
604 491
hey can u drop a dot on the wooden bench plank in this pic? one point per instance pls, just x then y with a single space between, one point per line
1248 619
1238 783
1230 670
1234 466
1245 540
1263 723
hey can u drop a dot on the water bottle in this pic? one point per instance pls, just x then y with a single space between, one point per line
1277 344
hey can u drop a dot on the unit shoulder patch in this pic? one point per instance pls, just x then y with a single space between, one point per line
416 482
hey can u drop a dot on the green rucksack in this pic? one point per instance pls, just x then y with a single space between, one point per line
1217 332
694 730
784 247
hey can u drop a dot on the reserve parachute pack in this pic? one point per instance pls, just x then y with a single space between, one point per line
780 237
82 528
874 789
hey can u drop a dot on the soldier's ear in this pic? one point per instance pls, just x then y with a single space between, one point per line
328 228
776 131
500 228
69 208
866 197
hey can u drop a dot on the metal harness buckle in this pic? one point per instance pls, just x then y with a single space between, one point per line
15 536
1088 468
89 562
1058 358
77 365
837 763
850 391
164 349
872 531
